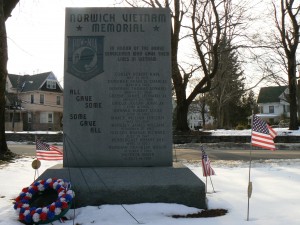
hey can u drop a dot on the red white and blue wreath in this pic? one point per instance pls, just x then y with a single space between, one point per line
44 214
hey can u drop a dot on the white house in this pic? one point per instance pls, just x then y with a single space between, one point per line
272 103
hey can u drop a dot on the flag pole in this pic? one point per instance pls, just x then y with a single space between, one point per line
212 184
204 173
262 135
206 184
249 180
35 139
249 185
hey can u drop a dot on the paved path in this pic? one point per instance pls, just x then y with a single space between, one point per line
219 154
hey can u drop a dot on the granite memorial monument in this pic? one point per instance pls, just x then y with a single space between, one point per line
118 110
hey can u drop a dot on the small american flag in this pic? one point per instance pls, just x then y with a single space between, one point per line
45 151
262 134
206 167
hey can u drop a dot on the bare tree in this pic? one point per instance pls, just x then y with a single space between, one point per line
203 23
286 43
204 20
6 7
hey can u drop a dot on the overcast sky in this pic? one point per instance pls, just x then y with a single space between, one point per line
36 35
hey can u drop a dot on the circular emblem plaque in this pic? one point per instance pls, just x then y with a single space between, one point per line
36 164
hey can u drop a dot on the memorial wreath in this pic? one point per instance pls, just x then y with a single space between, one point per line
30 214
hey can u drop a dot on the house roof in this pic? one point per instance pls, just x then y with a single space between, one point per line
30 83
270 94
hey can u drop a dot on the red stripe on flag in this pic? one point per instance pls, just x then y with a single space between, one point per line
206 167
262 134
49 155
47 152
273 133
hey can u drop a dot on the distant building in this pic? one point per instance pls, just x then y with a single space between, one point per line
273 103
195 120
33 102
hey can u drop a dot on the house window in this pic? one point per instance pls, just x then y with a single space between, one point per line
29 117
51 84
271 109
57 100
31 99
50 118
46 117
42 99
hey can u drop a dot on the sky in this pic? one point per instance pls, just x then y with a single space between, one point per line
275 197
35 34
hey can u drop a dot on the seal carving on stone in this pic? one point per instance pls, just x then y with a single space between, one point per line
85 56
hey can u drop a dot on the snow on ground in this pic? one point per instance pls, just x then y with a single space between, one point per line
275 199
279 131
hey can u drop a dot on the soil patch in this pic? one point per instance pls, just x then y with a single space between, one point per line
204 213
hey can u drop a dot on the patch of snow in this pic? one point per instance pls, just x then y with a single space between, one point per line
275 199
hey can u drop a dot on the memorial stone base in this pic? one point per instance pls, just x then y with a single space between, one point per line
132 185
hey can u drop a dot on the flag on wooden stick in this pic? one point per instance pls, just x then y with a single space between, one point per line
262 134
206 167
45 151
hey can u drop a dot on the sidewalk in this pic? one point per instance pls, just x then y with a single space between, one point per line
232 146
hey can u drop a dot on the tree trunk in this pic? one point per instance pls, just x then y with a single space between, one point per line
180 87
3 75
6 7
203 113
293 94
298 95
182 113
203 119
288 29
